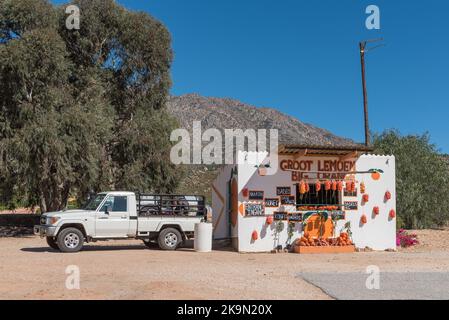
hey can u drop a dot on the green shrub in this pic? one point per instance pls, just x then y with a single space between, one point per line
422 179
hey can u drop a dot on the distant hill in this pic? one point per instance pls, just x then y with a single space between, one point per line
224 113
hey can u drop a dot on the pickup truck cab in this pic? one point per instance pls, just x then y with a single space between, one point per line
165 219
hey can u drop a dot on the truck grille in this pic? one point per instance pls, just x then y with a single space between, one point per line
43 220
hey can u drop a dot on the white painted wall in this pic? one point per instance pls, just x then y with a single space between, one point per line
379 233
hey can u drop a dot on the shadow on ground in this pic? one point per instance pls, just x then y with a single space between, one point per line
186 247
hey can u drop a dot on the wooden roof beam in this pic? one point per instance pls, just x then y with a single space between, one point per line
301 153
349 155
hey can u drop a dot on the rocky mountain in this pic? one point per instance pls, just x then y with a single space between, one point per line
224 113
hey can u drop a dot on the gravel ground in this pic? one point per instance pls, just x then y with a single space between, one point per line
129 270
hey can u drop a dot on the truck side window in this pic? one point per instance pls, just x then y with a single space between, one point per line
120 204
117 203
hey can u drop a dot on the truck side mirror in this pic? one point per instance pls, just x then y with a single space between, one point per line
107 209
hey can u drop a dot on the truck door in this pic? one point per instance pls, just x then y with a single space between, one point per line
112 220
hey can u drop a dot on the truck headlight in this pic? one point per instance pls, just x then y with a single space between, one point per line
54 220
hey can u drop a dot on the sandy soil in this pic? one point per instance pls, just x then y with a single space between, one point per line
430 240
129 270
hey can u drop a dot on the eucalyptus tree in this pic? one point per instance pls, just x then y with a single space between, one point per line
82 109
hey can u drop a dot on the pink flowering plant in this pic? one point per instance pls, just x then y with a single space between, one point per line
405 239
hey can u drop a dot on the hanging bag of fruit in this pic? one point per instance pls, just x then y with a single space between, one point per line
362 187
348 186
340 186
302 187
352 186
318 186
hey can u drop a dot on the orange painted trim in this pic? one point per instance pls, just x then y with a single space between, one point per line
242 209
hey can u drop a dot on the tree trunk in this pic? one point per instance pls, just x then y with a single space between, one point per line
43 203
65 196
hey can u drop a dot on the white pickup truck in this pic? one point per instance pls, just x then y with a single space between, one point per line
166 219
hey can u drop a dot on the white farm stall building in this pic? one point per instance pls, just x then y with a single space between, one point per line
317 194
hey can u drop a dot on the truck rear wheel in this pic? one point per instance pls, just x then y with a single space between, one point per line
70 240
52 243
169 239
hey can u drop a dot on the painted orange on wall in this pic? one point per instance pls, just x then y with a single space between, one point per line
315 227
375 176
255 235
242 209
363 219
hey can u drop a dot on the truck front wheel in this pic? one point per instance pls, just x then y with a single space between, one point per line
51 241
70 240
169 239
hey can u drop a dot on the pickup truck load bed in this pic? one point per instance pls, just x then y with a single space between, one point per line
166 219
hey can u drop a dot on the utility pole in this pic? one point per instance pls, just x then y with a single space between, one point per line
363 50
362 46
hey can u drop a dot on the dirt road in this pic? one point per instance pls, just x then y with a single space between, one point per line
129 270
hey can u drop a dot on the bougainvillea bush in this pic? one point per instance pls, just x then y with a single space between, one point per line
405 239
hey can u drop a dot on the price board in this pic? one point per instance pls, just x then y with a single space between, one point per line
288 200
280 216
338 215
295 217
350 194
351 205
254 210
255 195
283 191
271 202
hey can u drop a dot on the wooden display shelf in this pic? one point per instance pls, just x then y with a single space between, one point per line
324 249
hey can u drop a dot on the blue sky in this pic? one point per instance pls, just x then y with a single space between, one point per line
302 58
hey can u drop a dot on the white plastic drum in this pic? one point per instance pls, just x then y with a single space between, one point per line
203 237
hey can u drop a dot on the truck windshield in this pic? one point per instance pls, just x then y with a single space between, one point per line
94 202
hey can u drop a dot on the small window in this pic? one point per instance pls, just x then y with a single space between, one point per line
117 203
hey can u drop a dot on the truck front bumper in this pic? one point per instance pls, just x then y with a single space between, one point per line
45 231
